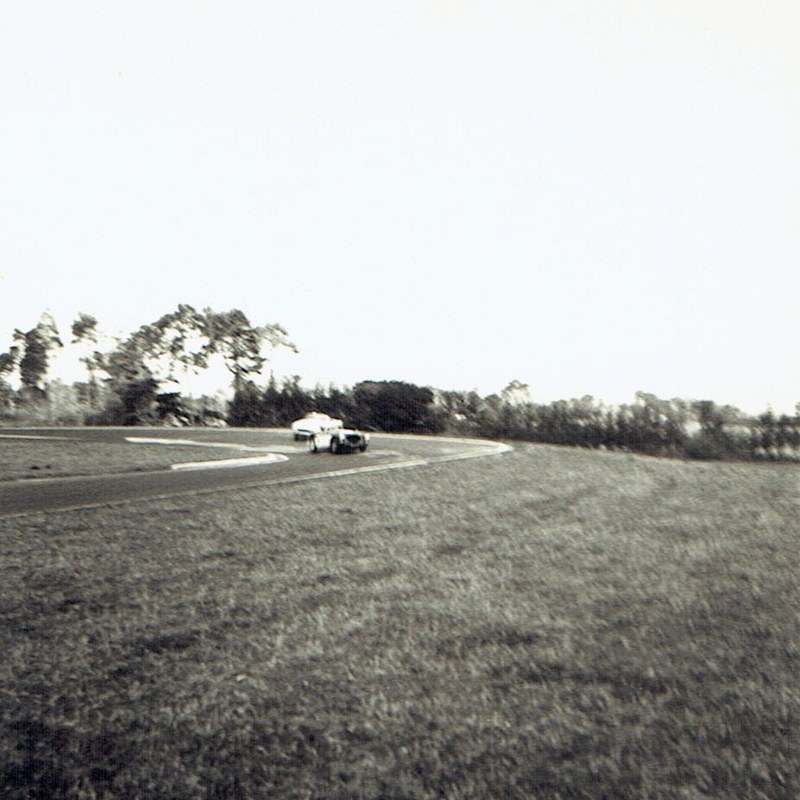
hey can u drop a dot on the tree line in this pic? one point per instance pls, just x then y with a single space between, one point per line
129 382
128 377
651 425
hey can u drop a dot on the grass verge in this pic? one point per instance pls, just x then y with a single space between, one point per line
29 458
549 623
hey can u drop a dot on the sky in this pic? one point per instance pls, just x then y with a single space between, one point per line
594 197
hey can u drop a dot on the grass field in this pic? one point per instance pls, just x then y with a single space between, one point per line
44 458
548 623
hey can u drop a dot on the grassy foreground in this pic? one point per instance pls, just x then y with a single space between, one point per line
549 623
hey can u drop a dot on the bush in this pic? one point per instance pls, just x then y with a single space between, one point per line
717 446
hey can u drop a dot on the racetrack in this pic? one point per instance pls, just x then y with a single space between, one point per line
271 458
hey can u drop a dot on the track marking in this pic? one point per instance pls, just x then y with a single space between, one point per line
194 443
222 463
484 449
32 436
219 463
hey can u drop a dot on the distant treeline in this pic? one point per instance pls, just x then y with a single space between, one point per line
677 428
389 406
127 377
693 429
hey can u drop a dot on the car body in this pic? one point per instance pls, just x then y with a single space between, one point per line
314 422
338 440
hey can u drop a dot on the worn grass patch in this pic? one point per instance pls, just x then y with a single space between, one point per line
547 623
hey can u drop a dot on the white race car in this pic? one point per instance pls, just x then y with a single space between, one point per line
314 422
338 440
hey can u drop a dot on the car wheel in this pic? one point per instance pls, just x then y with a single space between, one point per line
362 447
334 446
312 444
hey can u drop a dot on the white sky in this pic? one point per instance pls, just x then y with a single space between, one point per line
591 197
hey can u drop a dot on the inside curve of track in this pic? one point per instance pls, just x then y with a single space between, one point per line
295 464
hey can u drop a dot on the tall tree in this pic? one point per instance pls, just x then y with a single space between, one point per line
240 344
8 363
131 382
84 328
36 345
179 339
182 340
185 339
84 331
175 342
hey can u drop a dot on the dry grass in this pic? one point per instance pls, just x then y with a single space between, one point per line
548 623
29 458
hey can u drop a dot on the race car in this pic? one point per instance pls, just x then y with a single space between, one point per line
313 422
338 440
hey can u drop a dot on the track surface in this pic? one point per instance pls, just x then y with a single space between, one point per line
385 452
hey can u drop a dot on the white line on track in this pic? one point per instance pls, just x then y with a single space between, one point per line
484 448
221 463
193 443
26 436
266 457
487 449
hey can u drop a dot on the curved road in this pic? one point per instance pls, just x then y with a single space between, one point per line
386 451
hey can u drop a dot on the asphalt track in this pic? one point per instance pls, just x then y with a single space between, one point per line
293 464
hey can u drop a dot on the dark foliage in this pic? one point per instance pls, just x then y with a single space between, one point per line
395 407
701 430
390 406
35 346
139 402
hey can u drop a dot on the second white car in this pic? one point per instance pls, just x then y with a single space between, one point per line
314 422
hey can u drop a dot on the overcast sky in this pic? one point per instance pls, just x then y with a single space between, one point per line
590 197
